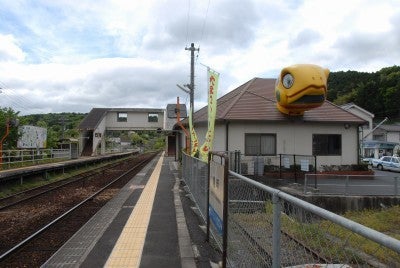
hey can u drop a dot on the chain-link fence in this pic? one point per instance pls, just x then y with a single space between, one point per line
283 166
195 175
266 227
335 184
269 228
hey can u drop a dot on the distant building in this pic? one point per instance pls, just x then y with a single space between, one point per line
101 121
376 139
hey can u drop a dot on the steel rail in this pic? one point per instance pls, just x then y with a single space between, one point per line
85 176
44 228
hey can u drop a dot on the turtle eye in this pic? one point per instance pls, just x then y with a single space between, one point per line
288 80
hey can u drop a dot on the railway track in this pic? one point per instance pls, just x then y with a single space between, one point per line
28 194
32 231
253 242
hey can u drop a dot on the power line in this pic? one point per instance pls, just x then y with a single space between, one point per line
204 23
187 23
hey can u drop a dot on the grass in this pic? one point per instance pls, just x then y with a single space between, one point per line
330 239
333 242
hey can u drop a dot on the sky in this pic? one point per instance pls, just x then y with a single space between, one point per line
72 56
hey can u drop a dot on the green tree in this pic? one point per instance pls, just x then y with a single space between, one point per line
7 115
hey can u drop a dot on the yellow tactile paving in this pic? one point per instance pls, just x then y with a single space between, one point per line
127 252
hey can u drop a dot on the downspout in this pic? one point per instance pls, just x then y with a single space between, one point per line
227 136
359 148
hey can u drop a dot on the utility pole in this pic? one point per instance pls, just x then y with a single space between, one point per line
191 86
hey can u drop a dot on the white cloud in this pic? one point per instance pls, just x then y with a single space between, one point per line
9 49
75 55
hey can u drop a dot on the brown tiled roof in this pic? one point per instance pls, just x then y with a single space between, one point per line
92 119
255 101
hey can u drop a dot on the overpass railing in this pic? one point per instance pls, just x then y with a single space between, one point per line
259 226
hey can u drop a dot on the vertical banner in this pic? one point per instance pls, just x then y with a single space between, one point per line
193 136
213 78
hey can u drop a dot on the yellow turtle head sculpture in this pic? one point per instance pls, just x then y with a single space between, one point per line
301 87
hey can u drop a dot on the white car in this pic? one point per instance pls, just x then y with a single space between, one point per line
387 163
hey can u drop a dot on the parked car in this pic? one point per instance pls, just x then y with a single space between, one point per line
368 160
387 163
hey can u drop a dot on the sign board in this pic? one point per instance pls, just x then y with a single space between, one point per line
32 137
216 206
304 165
286 162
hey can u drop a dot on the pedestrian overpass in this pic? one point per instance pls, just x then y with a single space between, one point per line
99 121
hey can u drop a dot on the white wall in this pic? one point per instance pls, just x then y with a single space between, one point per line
292 138
99 136
393 136
135 120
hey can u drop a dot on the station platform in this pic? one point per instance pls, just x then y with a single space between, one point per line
20 172
143 226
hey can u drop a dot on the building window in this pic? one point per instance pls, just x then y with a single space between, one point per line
327 144
122 117
153 117
260 144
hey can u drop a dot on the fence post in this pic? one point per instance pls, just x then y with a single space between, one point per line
208 199
294 165
396 181
280 166
276 232
225 214
305 183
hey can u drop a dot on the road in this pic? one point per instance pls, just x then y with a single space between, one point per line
382 183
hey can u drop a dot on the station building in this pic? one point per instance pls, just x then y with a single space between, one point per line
248 120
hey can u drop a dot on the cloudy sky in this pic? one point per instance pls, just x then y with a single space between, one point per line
71 56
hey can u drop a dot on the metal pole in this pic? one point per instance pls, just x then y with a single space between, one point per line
276 232
225 215
315 172
1 143
396 181
208 198
294 165
346 185
191 86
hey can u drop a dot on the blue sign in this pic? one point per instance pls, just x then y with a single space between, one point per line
215 219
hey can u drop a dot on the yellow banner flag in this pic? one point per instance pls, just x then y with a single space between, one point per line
193 136
213 78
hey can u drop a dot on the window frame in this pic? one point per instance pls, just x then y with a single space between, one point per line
260 135
151 115
122 118
332 149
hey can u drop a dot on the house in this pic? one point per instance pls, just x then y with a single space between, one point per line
364 114
375 139
384 140
248 120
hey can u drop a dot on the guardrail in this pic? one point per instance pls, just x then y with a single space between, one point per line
348 185
266 227
17 158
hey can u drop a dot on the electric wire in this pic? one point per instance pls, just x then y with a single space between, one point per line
187 23
13 99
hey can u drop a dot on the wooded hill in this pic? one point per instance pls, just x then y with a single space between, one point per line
378 92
